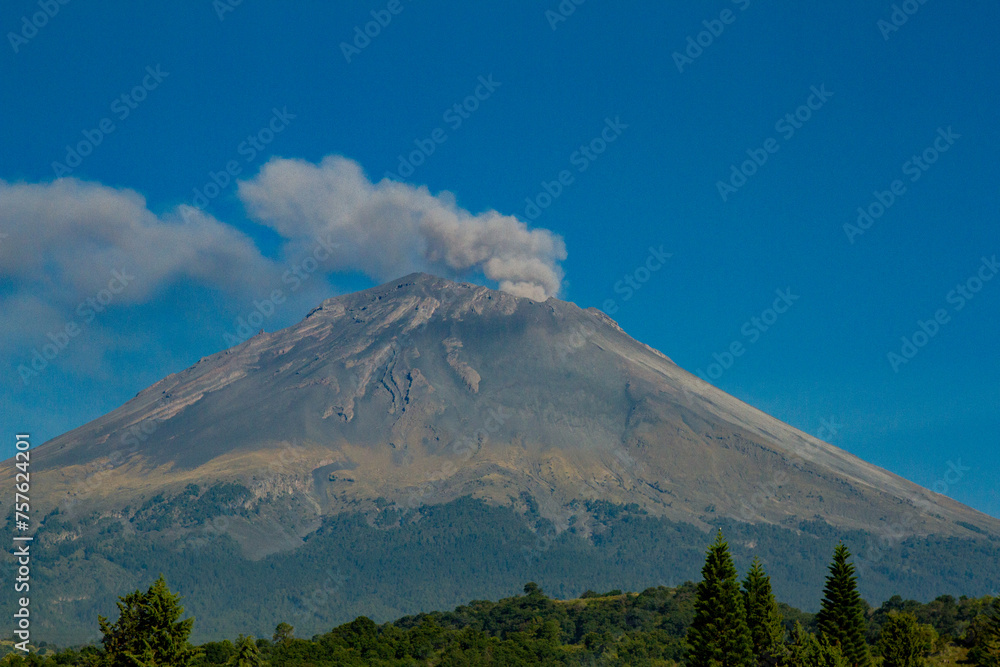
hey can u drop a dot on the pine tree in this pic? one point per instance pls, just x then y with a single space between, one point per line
806 650
148 631
719 637
841 619
121 638
767 634
247 654
901 642
986 651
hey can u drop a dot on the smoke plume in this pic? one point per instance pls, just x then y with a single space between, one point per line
388 229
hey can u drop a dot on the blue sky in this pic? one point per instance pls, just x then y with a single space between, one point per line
823 109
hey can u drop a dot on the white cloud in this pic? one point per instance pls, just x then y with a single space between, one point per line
65 238
389 229
62 242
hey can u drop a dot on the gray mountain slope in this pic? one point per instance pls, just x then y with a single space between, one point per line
427 390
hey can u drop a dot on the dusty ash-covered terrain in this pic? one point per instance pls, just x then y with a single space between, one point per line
424 393
427 390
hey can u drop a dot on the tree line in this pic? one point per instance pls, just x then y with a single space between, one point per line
721 621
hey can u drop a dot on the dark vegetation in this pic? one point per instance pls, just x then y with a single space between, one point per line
435 557
719 622
191 507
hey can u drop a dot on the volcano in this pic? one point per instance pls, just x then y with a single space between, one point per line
425 442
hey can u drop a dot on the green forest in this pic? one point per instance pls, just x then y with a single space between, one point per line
721 621
393 563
